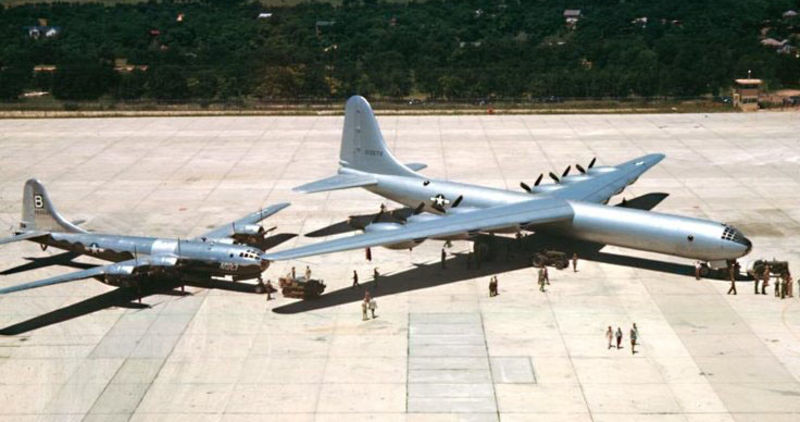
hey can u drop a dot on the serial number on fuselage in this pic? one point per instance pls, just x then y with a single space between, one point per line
228 266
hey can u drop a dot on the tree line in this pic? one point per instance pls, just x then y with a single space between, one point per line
205 50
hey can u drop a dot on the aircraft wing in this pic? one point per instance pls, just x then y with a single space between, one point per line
252 218
602 186
120 268
23 236
528 213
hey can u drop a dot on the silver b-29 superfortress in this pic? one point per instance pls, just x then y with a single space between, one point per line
235 250
573 206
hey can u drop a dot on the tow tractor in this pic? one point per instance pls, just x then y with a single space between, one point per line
300 288
551 258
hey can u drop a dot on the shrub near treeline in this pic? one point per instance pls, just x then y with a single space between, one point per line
440 49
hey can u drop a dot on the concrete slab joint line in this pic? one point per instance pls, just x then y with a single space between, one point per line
448 365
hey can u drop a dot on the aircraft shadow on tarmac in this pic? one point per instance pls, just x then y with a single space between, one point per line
430 274
124 297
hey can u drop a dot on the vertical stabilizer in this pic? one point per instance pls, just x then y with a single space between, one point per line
39 214
363 147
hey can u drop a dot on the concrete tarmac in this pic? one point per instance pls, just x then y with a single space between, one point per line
440 349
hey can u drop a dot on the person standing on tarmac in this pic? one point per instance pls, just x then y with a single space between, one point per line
355 279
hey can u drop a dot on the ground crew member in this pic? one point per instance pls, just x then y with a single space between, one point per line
375 275
610 336
294 275
546 275
619 338
373 305
355 279
777 286
541 278
783 286
766 276
733 279
756 277
491 286
634 335
733 287
308 273
269 289
697 266
575 262
444 256
364 310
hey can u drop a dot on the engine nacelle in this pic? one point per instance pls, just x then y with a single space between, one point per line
248 230
382 227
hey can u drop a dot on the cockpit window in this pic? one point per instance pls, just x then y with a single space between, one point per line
732 234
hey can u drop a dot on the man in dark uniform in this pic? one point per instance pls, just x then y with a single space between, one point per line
732 276
355 279
444 256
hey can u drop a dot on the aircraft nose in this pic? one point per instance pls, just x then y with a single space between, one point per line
748 245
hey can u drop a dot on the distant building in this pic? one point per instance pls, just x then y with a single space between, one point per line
772 42
121 65
571 17
641 21
44 68
264 15
746 93
789 14
322 24
39 31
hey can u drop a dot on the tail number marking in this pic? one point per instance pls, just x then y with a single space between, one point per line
38 202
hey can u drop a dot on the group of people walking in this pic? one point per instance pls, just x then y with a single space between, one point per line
612 335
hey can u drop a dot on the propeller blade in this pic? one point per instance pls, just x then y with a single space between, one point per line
419 208
554 177
580 168
457 201
566 171
524 186
539 179
591 163
378 216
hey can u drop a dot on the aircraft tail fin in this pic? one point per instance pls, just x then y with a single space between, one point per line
39 214
363 147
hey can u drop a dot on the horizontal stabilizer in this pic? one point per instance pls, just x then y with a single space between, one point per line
340 181
23 236
416 166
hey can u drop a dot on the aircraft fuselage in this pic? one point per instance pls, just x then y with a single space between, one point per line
208 258
632 228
